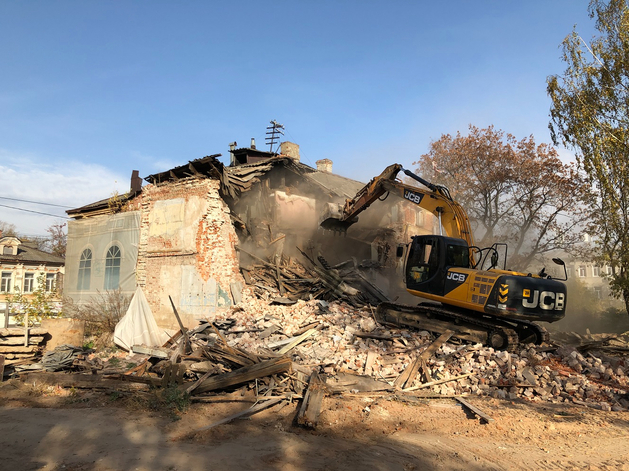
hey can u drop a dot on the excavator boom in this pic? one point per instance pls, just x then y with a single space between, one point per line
496 307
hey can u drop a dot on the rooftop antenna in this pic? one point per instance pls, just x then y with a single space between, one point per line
273 134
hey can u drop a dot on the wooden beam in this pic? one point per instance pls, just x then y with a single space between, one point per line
184 332
409 374
310 409
475 410
244 375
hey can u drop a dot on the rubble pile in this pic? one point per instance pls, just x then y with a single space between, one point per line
348 340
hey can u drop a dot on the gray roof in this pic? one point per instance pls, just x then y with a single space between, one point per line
29 255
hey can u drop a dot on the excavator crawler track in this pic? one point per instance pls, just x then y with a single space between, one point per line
501 334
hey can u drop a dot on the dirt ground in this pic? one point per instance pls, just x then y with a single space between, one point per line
74 430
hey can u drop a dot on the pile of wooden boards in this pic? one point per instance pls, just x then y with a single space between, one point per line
17 343
288 280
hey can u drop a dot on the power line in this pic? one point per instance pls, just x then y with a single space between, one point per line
31 211
34 202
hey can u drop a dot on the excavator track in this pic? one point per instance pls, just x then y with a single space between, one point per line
501 334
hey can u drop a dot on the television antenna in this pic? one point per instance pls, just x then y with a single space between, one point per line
273 133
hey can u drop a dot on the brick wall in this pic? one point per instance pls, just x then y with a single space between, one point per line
186 250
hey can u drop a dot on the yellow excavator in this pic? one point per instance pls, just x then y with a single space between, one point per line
465 290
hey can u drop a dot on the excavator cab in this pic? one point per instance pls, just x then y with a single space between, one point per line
428 261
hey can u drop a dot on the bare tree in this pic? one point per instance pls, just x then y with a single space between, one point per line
7 229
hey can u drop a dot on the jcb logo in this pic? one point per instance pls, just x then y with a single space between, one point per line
412 196
546 300
458 277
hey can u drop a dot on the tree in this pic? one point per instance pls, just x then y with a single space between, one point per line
58 239
8 229
38 305
590 114
514 191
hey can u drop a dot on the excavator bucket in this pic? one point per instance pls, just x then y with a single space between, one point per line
336 225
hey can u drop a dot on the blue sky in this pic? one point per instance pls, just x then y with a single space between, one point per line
91 90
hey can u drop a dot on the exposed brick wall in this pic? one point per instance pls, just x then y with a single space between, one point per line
186 250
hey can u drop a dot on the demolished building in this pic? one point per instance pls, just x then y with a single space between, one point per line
191 233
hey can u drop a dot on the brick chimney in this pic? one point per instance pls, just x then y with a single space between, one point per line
136 182
324 165
290 149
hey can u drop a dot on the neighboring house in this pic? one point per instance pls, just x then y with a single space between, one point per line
23 267
178 236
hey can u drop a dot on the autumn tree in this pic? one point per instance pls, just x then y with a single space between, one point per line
58 239
590 114
516 192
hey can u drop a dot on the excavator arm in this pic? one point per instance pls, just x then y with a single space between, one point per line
436 200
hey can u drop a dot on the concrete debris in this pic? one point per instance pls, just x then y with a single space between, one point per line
340 340
274 349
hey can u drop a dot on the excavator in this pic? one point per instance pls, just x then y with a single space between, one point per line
464 289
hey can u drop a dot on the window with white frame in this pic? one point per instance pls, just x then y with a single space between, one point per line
582 271
50 281
5 282
112 268
85 270
29 279
598 292
609 270
596 270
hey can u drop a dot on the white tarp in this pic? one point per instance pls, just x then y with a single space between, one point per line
138 326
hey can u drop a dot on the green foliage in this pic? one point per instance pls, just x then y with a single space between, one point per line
38 305
590 114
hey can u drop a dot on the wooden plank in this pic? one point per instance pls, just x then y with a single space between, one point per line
19 331
33 340
296 341
19 349
409 374
310 409
475 410
440 381
80 381
184 332
152 351
245 374
371 356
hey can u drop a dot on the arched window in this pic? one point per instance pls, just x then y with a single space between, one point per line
85 270
112 268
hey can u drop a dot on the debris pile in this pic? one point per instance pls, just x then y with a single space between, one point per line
289 280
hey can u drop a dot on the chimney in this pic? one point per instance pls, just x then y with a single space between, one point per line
232 148
136 182
253 142
290 149
324 165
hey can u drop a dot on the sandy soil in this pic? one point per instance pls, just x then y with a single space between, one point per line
74 430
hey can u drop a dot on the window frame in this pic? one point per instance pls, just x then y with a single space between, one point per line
5 281
51 282
85 270
113 262
28 284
